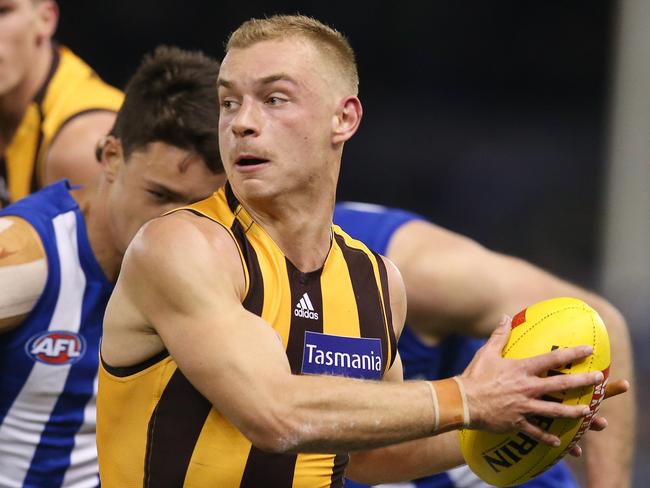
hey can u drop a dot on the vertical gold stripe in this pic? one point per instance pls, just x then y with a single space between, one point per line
277 308
220 455
340 314
313 471
375 269
384 306
359 245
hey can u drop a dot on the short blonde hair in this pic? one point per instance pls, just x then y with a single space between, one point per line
327 40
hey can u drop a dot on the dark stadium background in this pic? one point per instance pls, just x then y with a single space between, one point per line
488 117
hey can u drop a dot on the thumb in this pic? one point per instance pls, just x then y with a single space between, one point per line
616 387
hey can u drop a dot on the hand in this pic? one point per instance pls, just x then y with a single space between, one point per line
503 393
598 424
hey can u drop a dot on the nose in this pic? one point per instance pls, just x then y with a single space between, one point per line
246 122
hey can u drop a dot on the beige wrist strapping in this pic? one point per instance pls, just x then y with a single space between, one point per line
450 407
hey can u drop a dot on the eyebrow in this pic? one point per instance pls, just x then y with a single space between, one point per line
224 83
279 77
263 81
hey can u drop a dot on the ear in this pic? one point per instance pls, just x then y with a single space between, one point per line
47 17
112 157
346 120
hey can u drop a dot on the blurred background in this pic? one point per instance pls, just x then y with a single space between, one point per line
523 124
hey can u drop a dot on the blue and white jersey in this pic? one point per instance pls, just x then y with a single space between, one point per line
375 225
48 365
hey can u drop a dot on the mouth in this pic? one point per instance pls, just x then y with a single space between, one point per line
250 161
247 162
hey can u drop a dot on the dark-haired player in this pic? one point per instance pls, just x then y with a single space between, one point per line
60 252
53 107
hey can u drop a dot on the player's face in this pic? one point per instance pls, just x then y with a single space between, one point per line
156 179
276 117
24 26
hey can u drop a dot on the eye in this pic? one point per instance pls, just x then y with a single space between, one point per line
275 100
228 104
158 196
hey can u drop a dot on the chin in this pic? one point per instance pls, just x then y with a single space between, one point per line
251 186
261 196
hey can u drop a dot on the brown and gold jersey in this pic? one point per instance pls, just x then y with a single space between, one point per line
155 429
71 89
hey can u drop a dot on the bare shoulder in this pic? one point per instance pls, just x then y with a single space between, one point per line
23 270
181 255
185 237
72 152
177 268
19 240
397 293
394 276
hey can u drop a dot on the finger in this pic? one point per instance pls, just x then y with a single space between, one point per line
576 451
563 382
598 424
499 337
535 432
617 387
555 359
556 410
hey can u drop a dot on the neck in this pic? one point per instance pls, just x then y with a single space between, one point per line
14 103
299 224
93 203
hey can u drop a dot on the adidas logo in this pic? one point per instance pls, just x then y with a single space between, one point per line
305 309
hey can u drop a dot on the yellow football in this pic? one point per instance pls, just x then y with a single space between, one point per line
513 458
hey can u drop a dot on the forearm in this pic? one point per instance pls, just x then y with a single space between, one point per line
325 414
406 461
328 414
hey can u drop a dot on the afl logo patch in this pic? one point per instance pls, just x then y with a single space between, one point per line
56 347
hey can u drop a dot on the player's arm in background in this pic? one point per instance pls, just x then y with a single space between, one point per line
236 360
23 271
454 285
72 152
422 457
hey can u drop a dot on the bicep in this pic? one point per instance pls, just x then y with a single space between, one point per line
233 357
193 303
446 292
455 285
72 153
23 271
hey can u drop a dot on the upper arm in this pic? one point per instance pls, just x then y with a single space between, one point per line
72 152
183 275
456 285
23 271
